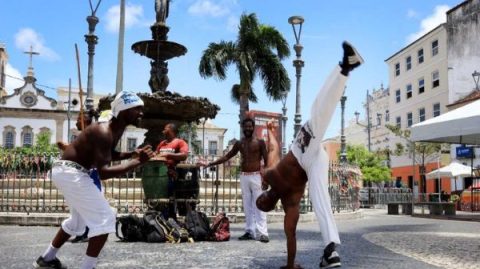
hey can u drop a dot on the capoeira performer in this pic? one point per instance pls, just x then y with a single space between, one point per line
93 148
307 161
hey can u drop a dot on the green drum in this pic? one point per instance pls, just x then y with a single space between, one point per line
155 180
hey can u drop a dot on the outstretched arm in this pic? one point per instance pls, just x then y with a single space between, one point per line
273 148
228 156
292 214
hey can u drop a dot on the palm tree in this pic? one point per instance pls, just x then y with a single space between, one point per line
252 54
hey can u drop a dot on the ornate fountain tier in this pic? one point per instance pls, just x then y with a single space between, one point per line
165 107
159 50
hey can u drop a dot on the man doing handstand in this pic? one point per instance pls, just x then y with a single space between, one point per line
307 161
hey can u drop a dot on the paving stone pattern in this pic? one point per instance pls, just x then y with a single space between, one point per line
375 241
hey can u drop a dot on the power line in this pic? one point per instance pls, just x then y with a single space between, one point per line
21 79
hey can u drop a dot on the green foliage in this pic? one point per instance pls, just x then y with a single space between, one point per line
184 133
258 50
424 152
371 164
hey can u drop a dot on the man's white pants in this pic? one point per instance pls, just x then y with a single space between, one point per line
255 219
313 158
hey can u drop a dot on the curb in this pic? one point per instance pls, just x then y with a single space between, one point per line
55 219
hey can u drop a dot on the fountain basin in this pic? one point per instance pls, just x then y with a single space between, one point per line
159 50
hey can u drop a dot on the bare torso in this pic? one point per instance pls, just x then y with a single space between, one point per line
252 151
93 147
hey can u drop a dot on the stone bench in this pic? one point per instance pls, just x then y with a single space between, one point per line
393 208
440 208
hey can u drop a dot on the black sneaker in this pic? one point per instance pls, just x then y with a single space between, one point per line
246 236
331 262
351 58
264 239
42 264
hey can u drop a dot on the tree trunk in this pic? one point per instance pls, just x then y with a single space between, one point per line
244 93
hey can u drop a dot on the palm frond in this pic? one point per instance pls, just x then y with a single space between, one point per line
271 38
235 95
216 58
274 76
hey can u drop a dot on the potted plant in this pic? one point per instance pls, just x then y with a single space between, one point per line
455 198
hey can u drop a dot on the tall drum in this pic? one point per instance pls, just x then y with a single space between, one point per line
186 186
155 180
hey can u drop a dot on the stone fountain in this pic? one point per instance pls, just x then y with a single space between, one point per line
161 105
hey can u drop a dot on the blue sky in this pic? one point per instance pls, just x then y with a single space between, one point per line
377 28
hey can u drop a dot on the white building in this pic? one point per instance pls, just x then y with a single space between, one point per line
418 90
28 111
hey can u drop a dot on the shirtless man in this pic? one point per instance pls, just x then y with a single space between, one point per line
93 148
252 150
307 161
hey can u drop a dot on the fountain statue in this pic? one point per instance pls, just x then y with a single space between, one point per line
161 105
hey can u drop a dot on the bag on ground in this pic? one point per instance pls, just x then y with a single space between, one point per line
131 228
153 232
220 230
197 224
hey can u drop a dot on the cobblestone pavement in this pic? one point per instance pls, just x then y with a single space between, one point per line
375 241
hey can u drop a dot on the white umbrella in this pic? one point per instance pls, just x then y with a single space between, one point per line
459 126
454 169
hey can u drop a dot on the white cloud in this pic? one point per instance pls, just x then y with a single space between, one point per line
438 17
133 17
27 37
209 8
412 14
12 78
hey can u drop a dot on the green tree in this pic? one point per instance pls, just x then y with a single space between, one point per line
42 143
371 164
424 152
252 54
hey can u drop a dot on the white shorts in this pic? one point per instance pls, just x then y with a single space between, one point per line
88 206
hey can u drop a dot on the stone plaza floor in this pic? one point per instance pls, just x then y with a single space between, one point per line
376 240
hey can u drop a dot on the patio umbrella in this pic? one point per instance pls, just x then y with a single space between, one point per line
454 169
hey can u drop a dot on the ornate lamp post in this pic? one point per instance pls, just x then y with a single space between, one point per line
284 123
476 78
343 146
298 63
91 40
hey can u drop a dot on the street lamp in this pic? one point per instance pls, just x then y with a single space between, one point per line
343 148
91 40
284 122
476 77
298 63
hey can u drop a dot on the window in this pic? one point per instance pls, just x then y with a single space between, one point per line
408 62
212 147
387 115
434 48
9 140
409 119
421 86
420 56
436 109
409 91
131 144
421 114
27 136
397 69
397 96
398 121
435 79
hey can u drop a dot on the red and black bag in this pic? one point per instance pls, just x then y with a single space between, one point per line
220 230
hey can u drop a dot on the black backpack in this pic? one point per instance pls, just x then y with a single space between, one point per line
197 224
131 228
153 232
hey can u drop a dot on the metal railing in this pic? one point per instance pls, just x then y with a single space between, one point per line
33 191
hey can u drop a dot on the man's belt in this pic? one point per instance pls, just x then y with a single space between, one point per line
70 164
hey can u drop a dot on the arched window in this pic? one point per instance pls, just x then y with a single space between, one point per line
9 137
27 136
